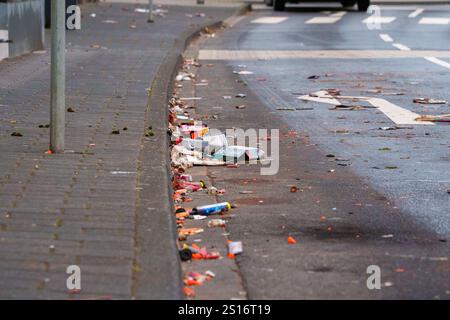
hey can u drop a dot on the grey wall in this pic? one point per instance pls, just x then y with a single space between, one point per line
3 16
24 21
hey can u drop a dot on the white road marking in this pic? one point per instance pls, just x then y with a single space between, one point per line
416 13
322 97
4 47
316 54
323 20
339 14
398 115
332 18
438 62
379 20
269 20
386 38
435 21
401 47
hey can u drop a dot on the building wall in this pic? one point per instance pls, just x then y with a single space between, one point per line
4 47
23 20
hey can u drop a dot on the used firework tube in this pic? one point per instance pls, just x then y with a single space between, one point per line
211 209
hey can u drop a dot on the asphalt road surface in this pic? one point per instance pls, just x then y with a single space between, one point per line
395 57
421 155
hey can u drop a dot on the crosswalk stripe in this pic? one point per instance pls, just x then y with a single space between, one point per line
416 13
323 20
386 38
438 21
332 18
339 14
270 20
401 47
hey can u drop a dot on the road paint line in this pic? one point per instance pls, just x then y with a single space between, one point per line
396 114
320 96
435 21
270 20
4 47
379 20
231 55
386 38
438 62
339 14
323 20
401 47
416 13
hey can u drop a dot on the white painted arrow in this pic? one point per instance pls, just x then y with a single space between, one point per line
398 115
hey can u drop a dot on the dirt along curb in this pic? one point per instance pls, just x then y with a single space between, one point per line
156 228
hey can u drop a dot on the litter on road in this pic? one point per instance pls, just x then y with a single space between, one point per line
189 292
216 223
197 279
193 143
190 231
243 72
236 154
440 118
234 248
429 101
291 240
212 209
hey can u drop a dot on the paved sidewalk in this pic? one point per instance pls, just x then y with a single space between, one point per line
85 207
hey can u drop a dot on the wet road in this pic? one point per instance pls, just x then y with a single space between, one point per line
407 55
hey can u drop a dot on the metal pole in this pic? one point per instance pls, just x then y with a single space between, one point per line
58 76
150 12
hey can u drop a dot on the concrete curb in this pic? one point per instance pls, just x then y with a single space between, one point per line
156 228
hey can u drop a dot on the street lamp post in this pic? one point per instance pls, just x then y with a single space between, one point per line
58 76
150 11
